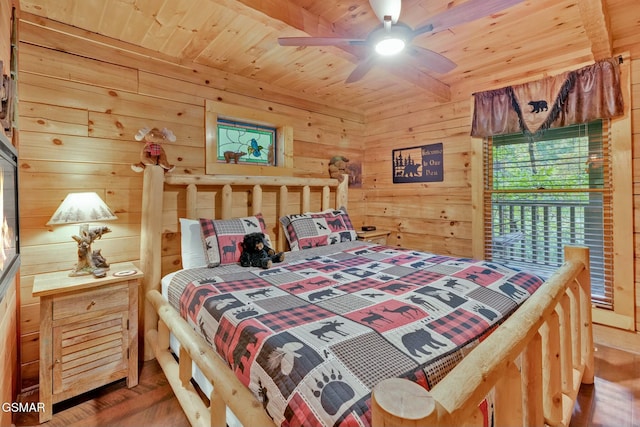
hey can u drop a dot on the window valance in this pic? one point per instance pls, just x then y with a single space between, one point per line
592 92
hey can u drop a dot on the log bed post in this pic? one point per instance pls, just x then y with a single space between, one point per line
282 210
227 202
586 342
192 201
306 198
256 200
150 246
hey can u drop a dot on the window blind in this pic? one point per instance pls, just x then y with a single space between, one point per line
542 193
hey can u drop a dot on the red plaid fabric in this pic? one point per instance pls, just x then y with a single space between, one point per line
359 285
153 149
460 326
422 277
285 319
526 281
299 414
239 285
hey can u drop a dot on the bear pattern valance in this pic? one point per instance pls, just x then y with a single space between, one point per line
592 92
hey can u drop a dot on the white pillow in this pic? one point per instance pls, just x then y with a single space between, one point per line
191 247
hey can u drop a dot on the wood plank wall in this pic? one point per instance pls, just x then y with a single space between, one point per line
8 305
82 102
435 217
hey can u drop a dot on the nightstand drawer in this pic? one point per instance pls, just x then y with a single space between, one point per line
97 300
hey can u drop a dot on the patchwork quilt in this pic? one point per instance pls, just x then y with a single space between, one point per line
313 335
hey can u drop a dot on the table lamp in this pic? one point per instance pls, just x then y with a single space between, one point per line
83 208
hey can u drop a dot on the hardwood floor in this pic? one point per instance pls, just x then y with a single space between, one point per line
149 404
613 400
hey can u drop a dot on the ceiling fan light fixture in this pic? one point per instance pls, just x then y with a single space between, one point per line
390 46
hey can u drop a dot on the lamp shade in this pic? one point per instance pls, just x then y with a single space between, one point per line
81 207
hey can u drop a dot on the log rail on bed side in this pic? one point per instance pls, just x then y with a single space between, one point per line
536 360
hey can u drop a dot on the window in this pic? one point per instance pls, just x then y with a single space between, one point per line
241 142
550 191
224 127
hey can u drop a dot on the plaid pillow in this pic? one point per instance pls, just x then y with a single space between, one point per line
318 228
222 238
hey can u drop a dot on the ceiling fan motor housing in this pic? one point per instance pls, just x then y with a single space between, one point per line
398 35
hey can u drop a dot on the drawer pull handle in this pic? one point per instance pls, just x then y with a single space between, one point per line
57 361
91 305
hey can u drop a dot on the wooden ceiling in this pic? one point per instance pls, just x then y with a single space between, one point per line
523 42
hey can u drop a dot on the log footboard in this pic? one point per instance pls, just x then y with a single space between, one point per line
535 361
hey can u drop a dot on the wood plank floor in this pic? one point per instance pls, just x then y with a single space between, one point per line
149 404
613 400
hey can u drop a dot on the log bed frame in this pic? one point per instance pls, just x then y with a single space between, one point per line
535 361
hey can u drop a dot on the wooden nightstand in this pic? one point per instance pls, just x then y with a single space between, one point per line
88 332
375 236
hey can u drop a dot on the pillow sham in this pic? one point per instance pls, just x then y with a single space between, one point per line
222 238
314 229
191 248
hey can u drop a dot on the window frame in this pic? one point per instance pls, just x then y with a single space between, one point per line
284 140
623 313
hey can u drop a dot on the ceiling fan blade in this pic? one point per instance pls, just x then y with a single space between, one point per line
319 41
429 59
384 8
361 69
466 12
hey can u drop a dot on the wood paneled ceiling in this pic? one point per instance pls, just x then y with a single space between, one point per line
520 43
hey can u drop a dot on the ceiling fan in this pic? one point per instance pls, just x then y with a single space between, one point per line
394 37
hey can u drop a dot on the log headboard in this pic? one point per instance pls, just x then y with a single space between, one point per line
288 195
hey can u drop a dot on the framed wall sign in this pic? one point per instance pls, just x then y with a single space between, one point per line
418 164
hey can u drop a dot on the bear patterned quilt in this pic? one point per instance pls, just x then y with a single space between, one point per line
313 335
